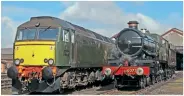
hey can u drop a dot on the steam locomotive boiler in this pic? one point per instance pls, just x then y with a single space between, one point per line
134 43
142 58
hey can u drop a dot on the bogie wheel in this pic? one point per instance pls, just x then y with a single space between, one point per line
171 74
160 78
115 84
167 76
157 79
148 81
60 91
142 82
153 80
118 88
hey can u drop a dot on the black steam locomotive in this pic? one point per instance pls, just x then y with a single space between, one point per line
143 58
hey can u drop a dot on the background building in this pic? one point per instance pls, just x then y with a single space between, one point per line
175 37
6 59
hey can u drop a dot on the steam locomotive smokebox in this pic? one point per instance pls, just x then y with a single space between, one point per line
133 42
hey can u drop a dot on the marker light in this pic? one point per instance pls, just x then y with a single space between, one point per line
139 71
107 71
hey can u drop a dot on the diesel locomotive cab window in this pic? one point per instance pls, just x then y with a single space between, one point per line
129 42
26 34
48 34
37 34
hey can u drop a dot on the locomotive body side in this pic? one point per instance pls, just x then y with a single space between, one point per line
91 52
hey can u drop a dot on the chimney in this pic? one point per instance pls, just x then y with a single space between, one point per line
133 24
143 30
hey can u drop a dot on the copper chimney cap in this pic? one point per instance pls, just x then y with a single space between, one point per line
133 24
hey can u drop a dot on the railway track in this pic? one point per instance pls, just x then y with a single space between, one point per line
146 91
5 81
108 89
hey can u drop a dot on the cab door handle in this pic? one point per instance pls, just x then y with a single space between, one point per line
66 52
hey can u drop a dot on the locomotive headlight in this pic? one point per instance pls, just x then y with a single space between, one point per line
107 71
139 71
50 61
17 61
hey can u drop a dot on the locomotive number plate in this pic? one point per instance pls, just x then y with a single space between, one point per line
129 70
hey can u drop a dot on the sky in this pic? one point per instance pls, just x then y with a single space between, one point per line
104 17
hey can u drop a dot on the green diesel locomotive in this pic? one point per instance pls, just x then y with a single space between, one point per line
51 54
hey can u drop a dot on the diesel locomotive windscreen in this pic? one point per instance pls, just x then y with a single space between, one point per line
37 34
129 42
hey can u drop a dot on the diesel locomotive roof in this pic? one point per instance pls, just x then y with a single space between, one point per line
54 22
45 21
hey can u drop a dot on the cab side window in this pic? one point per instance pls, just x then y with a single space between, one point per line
19 36
66 36
72 37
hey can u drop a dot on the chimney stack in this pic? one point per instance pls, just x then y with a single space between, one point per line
143 30
133 24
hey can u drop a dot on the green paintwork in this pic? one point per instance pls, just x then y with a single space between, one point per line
61 59
88 54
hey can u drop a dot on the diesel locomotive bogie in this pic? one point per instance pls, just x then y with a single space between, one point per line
80 77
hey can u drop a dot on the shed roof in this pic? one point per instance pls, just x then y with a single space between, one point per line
178 31
6 50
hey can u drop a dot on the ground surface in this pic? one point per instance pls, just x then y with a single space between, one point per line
171 87
5 92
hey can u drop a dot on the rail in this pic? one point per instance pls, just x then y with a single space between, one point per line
5 81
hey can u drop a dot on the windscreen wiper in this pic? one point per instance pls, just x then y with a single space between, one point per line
28 29
46 29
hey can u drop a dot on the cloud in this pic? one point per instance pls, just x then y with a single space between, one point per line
16 9
8 31
9 24
91 11
17 12
105 18
110 15
176 20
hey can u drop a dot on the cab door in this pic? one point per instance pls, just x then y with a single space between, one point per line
63 48
73 48
65 54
